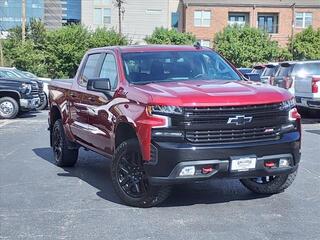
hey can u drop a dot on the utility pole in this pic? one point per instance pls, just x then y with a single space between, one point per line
293 24
23 20
1 53
119 5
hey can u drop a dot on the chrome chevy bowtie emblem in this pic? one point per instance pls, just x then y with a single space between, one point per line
239 120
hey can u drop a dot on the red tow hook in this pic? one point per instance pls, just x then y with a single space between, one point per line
269 164
207 170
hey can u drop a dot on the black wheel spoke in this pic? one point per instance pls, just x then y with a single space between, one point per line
124 181
132 178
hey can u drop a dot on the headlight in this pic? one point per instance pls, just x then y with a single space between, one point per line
26 88
288 104
164 110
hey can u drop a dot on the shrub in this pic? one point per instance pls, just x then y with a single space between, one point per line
172 36
305 45
245 46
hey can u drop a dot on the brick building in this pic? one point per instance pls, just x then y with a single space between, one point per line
280 18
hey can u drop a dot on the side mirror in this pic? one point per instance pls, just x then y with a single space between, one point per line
99 85
255 77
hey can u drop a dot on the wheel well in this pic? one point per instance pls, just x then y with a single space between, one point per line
13 95
55 115
124 132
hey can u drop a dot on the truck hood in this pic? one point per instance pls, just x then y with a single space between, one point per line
212 93
16 80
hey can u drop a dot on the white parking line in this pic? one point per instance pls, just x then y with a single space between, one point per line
6 122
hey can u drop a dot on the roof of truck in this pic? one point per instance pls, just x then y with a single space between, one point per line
153 48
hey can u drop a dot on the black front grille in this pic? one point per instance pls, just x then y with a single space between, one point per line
234 135
34 89
212 124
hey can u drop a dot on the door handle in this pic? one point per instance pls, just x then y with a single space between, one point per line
91 99
73 95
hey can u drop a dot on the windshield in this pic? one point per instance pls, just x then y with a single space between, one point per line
147 67
9 74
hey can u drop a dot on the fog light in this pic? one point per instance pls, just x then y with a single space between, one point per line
283 163
187 171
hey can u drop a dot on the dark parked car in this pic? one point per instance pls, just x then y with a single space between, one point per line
17 95
258 69
269 72
13 73
244 70
284 76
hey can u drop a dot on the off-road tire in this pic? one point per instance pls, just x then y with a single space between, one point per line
68 155
15 108
153 196
277 185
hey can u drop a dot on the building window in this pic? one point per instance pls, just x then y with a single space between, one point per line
240 19
175 16
268 22
303 20
202 18
204 43
104 2
102 16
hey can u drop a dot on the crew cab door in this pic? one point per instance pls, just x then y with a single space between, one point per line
78 108
100 119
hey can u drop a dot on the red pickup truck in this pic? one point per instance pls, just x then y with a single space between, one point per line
174 114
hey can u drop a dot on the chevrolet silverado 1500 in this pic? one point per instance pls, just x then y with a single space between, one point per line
174 114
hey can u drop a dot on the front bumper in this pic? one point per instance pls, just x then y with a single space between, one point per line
29 103
172 157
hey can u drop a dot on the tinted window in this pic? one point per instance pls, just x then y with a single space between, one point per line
269 71
284 71
9 74
258 70
90 69
109 70
307 69
176 66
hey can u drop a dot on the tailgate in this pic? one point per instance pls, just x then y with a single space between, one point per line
303 84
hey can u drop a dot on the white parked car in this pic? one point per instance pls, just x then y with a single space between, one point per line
307 85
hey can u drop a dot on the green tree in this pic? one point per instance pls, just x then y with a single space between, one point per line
55 53
172 36
245 46
306 45
103 37
65 48
28 55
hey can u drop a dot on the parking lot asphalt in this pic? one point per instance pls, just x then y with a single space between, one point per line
39 200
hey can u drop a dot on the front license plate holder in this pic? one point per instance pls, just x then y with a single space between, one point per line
241 164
